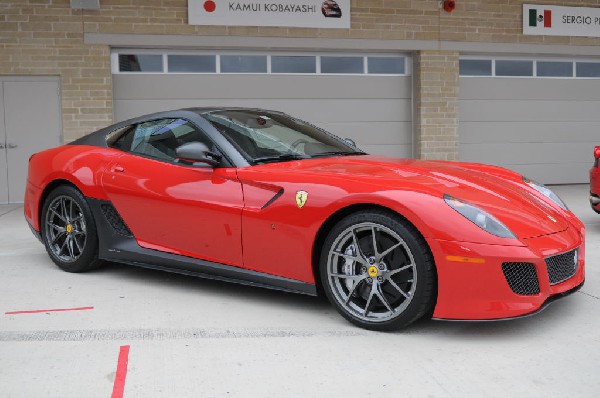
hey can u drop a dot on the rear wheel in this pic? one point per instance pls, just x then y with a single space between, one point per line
69 230
377 271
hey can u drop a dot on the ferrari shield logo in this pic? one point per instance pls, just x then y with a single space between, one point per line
301 197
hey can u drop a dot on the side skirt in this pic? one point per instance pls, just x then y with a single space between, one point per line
115 244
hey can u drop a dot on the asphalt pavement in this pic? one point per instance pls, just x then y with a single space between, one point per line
144 333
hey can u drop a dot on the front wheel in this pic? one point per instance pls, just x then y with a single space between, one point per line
377 271
69 231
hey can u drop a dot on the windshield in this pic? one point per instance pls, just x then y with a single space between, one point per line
266 136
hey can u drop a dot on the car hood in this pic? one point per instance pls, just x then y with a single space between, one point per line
498 191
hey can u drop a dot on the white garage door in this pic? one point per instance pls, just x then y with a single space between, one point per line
538 117
366 98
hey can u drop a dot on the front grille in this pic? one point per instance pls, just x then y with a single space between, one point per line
562 266
521 278
115 220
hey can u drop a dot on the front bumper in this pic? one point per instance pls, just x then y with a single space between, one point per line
595 202
480 291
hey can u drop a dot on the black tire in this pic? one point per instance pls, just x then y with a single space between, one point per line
404 277
69 235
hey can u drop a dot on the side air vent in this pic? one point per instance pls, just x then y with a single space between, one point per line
521 278
115 220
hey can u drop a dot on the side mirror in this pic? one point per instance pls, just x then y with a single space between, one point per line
597 152
197 152
350 142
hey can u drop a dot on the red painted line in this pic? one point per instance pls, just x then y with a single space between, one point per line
50 310
119 385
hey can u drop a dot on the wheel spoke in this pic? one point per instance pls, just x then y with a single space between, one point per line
58 215
56 227
350 257
398 288
387 251
368 304
359 251
71 210
351 292
395 271
382 298
375 252
63 208
62 247
70 247
351 277
57 237
79 249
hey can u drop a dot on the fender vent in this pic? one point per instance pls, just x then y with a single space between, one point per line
115 220
522 278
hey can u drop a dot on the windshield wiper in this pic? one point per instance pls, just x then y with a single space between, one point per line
280 158
337 153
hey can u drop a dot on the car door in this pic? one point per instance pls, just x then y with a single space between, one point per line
191 210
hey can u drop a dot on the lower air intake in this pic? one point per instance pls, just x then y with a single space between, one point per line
522 278
561 267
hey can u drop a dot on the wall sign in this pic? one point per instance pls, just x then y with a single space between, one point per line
285 13
541 19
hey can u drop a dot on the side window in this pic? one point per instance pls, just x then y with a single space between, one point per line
159 139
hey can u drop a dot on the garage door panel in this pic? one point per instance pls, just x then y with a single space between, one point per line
526 153
397 151
347 110
513 132
375 133
484 88
185 86
526 110
554 173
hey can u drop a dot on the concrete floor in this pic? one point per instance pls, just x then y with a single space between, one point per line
190 337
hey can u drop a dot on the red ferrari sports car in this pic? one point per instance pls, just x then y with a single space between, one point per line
595 182
262 198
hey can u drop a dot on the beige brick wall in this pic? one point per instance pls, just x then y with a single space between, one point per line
436 105
45 37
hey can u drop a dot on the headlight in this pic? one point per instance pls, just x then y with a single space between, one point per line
481 218
541 188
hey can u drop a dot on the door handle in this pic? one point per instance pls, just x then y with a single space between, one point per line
118 169
11 146
1 146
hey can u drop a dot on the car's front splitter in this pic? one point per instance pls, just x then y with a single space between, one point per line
549 300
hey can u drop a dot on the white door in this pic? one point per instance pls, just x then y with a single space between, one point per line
31 123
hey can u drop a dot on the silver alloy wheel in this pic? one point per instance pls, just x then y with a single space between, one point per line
372 272
65 229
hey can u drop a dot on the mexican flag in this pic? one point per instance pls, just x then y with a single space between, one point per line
538 16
